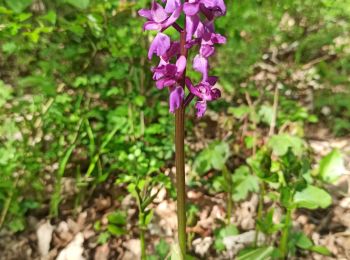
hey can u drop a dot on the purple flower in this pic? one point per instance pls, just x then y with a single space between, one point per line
174 50
159 45
206 37
210 8
167 74
204 91
158 17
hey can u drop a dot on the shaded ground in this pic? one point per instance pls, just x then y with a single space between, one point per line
75 234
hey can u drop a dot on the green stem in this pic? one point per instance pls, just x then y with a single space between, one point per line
229 207
285 234
229 200
180 161
7 204
143 244
260 212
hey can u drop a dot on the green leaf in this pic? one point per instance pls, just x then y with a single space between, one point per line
285 198
202 162
243 183
312 197
266 114
139 100
262 166
303 241
266 224
148 216
117 218
40 84
17 224
249 141
116 230
5 93
230 230
162 249
81 4
97 225
332 166
213 157
9 47
18 5
220 154
239 112
321 250
51 17
280 144
103 238
260 253
220 234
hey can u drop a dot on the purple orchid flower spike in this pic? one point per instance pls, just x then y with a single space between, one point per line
158 17
171 73
199 28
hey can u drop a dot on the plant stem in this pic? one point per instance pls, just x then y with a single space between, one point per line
143 244
274 115
285 234
229 207
180 162
8 203
180 178
229 200
260 212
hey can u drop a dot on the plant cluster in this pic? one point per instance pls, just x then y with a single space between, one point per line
78 108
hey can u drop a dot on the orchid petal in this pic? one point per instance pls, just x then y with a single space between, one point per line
215 94
171 5
206 50
150 25
192 23
173 51
218 38
212 80
181 64
165 82
191 8
159 45
201 107
145 13
158 13
173 17
176 98
200 64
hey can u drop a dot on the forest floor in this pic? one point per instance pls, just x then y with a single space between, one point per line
73 236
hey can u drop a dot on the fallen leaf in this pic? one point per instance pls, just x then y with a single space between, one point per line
44 234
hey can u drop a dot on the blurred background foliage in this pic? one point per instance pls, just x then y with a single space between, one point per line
77 100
